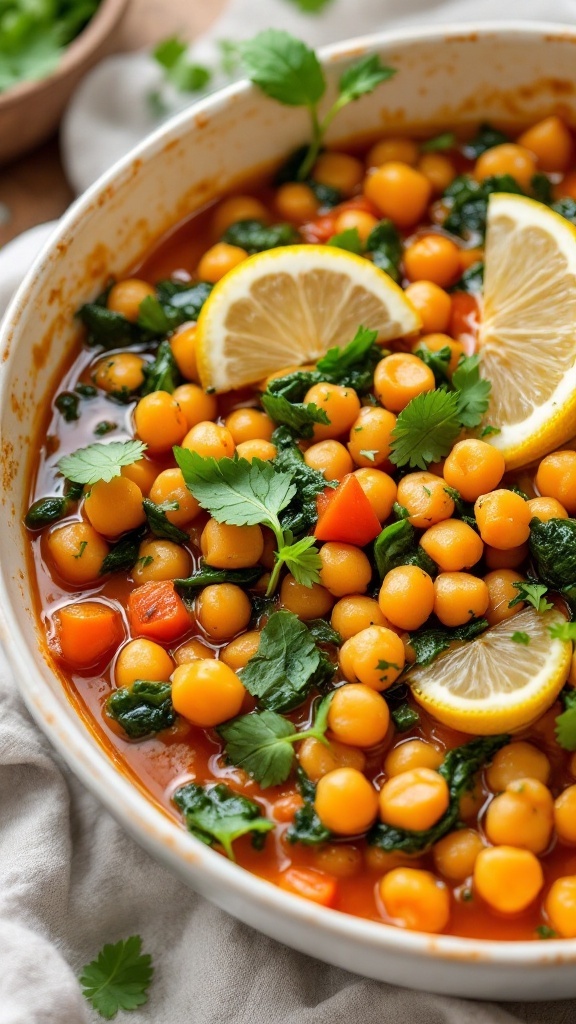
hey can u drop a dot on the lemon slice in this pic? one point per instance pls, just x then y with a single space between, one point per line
528 332
289 306
494 684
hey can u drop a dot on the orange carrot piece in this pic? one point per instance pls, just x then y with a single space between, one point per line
312 885
348 517
156 611
87 631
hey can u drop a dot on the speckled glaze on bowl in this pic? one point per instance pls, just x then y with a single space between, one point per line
448 76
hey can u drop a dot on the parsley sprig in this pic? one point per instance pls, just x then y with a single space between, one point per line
118 978
287 70
243 493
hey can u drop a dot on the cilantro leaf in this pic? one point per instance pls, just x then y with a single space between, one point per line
349 239
284 68
363 77
299 417
151 316
143 709
563 631
286 665
119 977
473 391
100 461
339 361
67 404
160 525
426 429
533 593
437 361
404 717
254 236
429 643
566 722
302 559
216 814
520 638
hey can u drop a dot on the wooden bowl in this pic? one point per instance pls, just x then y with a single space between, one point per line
30 111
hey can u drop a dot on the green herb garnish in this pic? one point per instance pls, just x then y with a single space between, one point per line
100 461
186 76
286 665
143 709
216 814
119 977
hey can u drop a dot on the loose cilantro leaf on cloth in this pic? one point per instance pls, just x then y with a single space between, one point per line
100 461
124 554
473 391
566 722
486 138
426 429
160 525
385 244
440 143
143 709
207 575
186 76
429 643
216 814
398 545
289 71
532 593
459 769
306 827
262 743
349 239
286 665
119 977
255 236
163 373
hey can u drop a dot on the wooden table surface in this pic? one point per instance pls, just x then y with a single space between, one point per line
33 188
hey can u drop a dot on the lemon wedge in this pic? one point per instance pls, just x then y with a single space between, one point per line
528 331
493 684
289 306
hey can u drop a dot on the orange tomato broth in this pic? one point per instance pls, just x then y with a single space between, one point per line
185 753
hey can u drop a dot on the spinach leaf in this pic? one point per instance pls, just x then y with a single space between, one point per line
542 188
402 713
143 709
299 417
124 554
323 633
472 280
566 207
306 827
182 300
207 575
386 247
486 138
286 665
397 545
553 550
566 722
255 236
290 171
467 200
216 814
429 643
106 328
301 513
49 510
67 404
352 366
162 374
459 769
160 525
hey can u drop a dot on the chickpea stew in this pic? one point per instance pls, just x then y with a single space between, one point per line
251 592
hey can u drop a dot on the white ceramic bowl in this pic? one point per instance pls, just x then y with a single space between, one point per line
446 76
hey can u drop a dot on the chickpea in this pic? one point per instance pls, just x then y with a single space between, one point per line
551 143
556 478
398 192
338 170
183 345
192 650
161 560
508 879
432 303
345 569
248 425
496 558
114 506
565 816
371 432
159 421
206 692
340 404
459 597
517 760
231 547
545 509
501 591
317 759
410 754
195 403
285 807
358 716
560 906
143 472
341 859
401 377
210 440
219 261
474 468
352 614
453 545
238 652
306 602
439 170
346 802
330 458
296 202
77 552
379 488
436 342
415 899
433 258
393 150
374 657
425 497
503 519
123 373
262 450
355 220
455 855
415 799
170 486
522 815
406 596
223 610
125 297
507 158
381 861
234 209
142 659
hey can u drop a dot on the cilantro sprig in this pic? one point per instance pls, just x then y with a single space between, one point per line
286 665
532 593
243 493
100 461
287 70
119 977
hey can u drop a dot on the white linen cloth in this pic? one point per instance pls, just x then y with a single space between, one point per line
70 878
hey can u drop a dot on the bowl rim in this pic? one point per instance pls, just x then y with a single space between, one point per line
68 733
81 47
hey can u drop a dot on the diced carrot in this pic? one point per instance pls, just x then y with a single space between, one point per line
348 516
464 317
87 631
156 611
313 885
